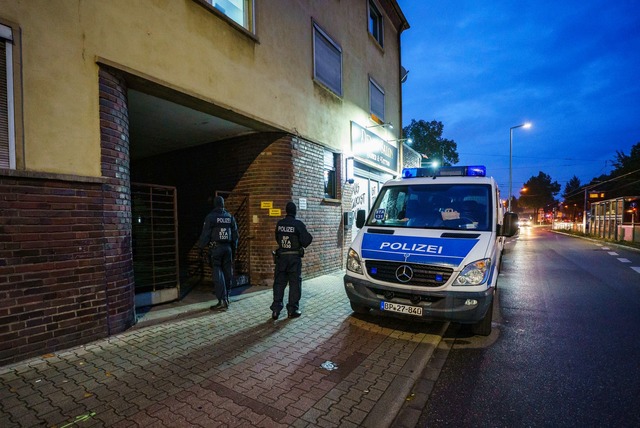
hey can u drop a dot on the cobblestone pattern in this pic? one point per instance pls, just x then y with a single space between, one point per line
234 368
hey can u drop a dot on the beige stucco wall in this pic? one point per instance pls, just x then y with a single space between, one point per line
188 47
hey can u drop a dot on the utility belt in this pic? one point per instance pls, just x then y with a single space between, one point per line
280 252
214 244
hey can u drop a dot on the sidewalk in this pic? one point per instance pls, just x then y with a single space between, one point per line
183 365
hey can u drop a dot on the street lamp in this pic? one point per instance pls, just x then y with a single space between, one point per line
525 125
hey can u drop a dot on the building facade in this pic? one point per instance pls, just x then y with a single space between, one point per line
121 120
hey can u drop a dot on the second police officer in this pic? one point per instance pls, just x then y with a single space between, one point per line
220 234
292 238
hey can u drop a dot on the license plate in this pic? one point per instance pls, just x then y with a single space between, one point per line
402 309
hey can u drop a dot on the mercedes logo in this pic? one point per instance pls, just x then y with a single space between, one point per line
404 273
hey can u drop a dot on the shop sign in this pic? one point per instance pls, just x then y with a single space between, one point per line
368 148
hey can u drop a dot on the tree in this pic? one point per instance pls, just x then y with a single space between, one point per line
540 192
624 163
628 169
573 196
573 191
427 139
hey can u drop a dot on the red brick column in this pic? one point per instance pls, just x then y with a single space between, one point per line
114 137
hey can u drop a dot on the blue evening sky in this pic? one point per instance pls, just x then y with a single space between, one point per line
571 68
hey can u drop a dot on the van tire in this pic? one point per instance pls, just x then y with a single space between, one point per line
359 309
483 328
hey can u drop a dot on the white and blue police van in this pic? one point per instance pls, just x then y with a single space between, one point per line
431 247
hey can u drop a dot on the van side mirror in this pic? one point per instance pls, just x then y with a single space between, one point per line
360 218
509 224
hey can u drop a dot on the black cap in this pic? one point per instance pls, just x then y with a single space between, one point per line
291 208
218 202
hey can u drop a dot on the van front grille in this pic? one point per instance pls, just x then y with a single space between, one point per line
416 274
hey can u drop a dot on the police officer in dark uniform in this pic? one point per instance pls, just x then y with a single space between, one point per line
220 234
292 238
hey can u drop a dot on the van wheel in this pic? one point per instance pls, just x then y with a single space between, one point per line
483 328
359 309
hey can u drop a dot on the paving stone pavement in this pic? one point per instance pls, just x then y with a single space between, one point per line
233 368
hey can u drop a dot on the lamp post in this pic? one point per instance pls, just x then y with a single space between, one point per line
525 125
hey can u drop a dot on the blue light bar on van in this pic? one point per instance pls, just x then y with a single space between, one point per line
446 171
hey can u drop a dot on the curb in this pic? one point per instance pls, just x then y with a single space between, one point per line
389 406
603 242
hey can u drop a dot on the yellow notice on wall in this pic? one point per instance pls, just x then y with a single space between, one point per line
274 212
266 204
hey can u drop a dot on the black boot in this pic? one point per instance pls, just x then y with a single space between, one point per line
295 314
219 306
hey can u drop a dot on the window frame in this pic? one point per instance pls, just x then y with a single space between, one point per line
248 14
375 115
375 23
330 174
8 39
320 34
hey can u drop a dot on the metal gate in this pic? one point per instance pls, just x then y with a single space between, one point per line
154 243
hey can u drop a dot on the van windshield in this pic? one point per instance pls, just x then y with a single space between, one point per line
434 206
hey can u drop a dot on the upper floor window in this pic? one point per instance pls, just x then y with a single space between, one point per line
376 27
327 61
376 101
239 11
7 129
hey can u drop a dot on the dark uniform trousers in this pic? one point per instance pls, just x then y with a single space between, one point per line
220 255
288 270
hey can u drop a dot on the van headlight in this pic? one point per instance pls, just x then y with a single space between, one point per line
475 273
354 264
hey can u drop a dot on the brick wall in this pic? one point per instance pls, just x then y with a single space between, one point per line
66 271
52 270
289 169
114 139
266 167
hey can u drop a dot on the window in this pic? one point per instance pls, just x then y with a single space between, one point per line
376 101
375 23
7 130
239 11
327 61
439 206
330 188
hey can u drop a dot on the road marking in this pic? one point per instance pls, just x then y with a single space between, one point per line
606 248
636 268
613 253
624 260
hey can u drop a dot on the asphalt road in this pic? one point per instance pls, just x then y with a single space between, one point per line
564 351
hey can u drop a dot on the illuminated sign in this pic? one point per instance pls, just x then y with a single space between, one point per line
596 195
373 150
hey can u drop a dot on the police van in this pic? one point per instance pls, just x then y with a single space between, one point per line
431 247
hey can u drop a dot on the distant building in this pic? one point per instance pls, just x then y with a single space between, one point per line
121 119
